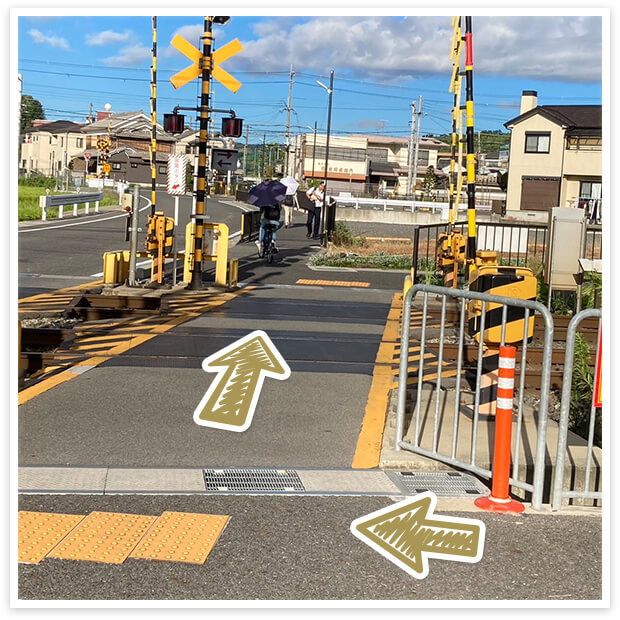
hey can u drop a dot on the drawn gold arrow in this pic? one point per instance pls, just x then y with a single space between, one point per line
231 399
405 534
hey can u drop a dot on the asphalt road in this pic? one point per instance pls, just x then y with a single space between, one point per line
60 253
300 548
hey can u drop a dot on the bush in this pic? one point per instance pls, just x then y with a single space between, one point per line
349 259
344 236
581 394
46 182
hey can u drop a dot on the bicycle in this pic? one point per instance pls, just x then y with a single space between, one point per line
269 246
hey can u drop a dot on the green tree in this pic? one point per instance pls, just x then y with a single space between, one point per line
31 109
429 183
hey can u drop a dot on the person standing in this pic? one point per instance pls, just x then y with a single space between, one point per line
289 201
313 224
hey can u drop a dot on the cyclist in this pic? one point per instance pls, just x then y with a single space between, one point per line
269 216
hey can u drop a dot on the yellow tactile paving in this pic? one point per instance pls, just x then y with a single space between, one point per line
40 532
104 537
332 283
181 537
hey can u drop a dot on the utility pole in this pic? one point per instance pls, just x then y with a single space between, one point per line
417 148
324 226
199 217
410 154
288 120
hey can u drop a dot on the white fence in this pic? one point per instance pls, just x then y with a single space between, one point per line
390 204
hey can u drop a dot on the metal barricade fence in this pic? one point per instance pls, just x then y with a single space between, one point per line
592 454
426 433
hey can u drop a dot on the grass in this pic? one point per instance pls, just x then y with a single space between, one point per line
28 202
352 250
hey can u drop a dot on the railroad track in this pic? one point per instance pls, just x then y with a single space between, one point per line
449 349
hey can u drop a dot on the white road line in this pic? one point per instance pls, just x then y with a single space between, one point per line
82 223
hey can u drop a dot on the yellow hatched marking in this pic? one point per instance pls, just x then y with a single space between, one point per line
181 537
332 283
39 532
104 537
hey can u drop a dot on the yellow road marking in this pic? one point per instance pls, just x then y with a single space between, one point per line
39 532
181 537
133 341
104 537
332 283
368 450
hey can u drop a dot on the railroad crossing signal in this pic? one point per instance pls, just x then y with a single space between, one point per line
194 70
224 159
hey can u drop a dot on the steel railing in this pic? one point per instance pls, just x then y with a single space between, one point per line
421 417
559 493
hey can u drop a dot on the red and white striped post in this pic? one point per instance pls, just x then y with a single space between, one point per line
499 500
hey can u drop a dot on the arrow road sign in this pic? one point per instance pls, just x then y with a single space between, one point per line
194 70
223 160
232 397
406 535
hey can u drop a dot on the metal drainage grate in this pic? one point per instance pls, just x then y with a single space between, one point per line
443 484
252 481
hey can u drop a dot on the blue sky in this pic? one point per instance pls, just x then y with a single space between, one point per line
381 64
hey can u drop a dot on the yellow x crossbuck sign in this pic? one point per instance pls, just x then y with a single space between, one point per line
194 70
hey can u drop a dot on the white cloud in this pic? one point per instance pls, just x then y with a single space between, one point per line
106 37
130 56
48 39
192 34
558 48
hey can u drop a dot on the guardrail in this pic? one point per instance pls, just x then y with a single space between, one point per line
45 202
391 204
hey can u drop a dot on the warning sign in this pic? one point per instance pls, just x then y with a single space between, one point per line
176 173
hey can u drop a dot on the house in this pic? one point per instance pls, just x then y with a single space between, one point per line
48 147
54 148
130 133
555 156
359 163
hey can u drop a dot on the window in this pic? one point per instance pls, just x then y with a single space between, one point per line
162 169
537 142
116 166
590 189
134 165
377 154
79 142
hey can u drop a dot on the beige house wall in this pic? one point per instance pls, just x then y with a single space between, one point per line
44 154
532 164
571 165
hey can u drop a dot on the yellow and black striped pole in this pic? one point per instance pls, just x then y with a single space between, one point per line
154 117
201 176
456 111
471 162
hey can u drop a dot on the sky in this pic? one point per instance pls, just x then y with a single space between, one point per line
381 64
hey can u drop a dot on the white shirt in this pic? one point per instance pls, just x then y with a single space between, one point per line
318 194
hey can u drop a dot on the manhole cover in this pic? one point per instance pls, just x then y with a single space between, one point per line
442 484
252 481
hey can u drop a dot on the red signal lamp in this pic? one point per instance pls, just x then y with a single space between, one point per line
174 123
232 127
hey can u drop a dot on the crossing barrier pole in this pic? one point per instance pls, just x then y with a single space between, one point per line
499 500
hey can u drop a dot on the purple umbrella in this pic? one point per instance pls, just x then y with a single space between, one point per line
267 193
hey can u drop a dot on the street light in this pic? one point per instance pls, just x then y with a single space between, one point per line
313 147
330 91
